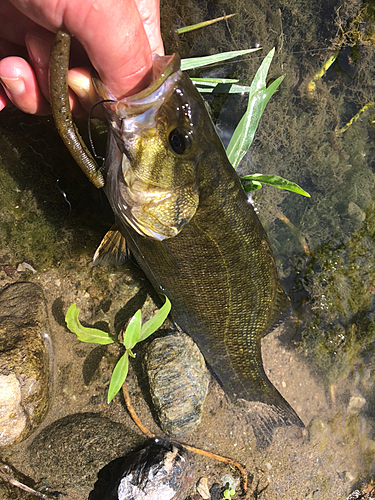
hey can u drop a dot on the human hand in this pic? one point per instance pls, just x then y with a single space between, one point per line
118 37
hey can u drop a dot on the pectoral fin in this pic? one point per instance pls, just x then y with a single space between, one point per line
113 249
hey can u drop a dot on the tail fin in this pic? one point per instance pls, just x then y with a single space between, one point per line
265 417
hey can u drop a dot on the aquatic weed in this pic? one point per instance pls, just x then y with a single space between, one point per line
259 95
228 493
134 333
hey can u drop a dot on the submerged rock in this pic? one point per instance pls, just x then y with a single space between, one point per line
178 380
202 488
70 452
25 380
13 420
158 471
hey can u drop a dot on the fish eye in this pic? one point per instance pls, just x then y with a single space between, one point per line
180 140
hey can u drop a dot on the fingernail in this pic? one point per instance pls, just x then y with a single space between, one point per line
38 49
79 80
80 86
14 85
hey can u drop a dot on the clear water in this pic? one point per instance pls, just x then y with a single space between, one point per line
322 359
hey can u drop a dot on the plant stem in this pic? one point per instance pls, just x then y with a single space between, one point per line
226 460
133 414
355 117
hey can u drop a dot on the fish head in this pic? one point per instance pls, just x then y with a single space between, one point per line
153 155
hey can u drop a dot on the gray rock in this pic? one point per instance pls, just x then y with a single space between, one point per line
70 452
25 380
178 380
229 480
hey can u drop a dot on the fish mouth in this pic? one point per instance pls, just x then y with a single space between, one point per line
138 111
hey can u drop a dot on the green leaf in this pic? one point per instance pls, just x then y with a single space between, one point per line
228 494
118 376
220 86
156 321
259 95
198 62
133 330
193 27
274 180
214 81
84 334
251 186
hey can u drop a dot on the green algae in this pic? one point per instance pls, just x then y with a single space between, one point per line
24 232
43 211
340 280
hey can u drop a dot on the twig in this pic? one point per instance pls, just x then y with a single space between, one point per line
197 451
294 230
133 415
5 473
226 460
323 70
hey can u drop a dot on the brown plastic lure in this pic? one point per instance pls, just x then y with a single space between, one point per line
58 84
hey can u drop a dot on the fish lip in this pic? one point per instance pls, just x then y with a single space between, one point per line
163 67
137 114
166 69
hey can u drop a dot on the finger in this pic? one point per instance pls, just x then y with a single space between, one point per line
11 49
117 45
79 80
112 33
149 11
4 101
14 25
39 45
21 87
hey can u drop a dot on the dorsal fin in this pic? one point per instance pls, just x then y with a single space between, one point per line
113 249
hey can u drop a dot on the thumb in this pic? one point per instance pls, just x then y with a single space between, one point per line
113 35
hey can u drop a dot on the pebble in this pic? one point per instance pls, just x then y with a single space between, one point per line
71 451
215 491
178 380
228 480
202 488
12 418
356 212
24 266
356 403
356 495
25 379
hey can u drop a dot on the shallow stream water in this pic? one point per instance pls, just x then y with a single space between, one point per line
321 359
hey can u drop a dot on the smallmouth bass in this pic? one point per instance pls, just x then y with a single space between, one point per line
182 211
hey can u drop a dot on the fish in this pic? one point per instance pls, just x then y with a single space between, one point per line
181 211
